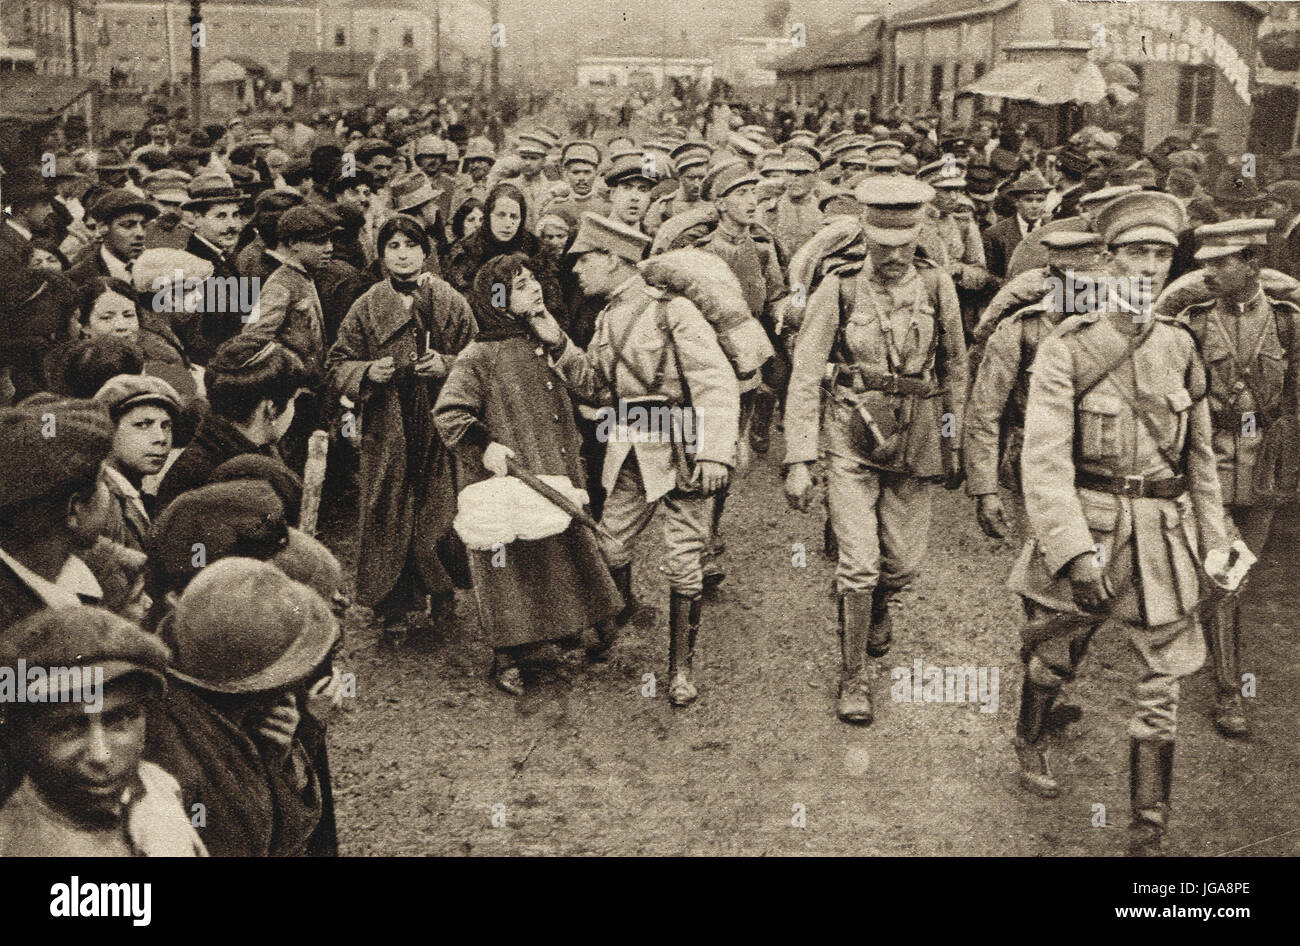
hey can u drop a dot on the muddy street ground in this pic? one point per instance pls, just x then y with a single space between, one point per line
430 758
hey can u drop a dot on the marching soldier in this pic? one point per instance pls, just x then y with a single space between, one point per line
794 218
691 162
995 410
1248 338
577 195
957 238
893 338
652 349
1119 474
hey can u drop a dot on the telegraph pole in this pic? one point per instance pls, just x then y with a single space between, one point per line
196 92
72 36
437 46
496 50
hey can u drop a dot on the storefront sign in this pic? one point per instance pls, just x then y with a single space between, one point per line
1159 32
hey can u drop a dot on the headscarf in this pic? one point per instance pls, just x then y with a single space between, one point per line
496 322
469 255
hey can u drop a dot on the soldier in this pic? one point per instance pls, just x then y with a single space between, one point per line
629 181
1248 337
795 217
893 338
691 161
654 350
1118 473
956 235
995 410
579 161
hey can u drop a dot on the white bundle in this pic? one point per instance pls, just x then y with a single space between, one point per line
501 509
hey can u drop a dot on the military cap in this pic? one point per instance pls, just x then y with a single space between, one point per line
690 158
947 172
675 132
1141 217
1089 203
725 178
955 143
743 144
888 146
838 195
802 134
1142 173
690 147
604 235
894 208
833 139
120 201
799 158
629 167
533 145
546 133
771 162
885 164
1030 182
584 152
879 131
1231 236
307 223
128 391
1069 239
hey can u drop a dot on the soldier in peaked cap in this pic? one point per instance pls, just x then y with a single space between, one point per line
630 180
795 217
577 195
691 164
1119 475
892 335
1250 339
628 363
955 245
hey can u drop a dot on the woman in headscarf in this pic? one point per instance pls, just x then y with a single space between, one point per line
394 349
502 232
502 399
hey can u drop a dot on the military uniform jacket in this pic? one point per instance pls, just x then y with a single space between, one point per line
1251 357
995 410
627 347
1147 545
957 240
911 328
670 205
755 262
794 223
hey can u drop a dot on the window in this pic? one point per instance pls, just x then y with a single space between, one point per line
1195 95
936 84
408 38
901 94
340 38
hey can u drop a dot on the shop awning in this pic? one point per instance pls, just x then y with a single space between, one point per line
1045 82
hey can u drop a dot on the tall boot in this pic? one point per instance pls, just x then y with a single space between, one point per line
855 679
1222 633
683 627
1151 774
632 608
1035 704
764 405
882 626
713 573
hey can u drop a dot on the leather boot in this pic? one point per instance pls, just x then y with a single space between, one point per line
882 627
759 426
606 638
1222 633
855 680
632 609
683 626
1035 774
710 560
1151 773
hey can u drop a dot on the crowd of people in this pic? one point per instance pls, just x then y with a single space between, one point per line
183 314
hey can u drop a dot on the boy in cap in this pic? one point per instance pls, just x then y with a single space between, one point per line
1249 337
79 738
893 334
144 410
246 643
1119 474
628 362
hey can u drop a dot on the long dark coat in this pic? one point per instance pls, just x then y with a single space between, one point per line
403 510
505 391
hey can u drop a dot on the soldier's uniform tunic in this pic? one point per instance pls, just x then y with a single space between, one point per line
1089 467
667 206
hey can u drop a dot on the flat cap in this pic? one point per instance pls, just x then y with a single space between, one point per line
120 201
894 208
1141 217
48 442
156 268
1230 236
1089 202
1030 182
308 222
128 391
604 235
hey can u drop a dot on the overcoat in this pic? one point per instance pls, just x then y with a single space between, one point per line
408 484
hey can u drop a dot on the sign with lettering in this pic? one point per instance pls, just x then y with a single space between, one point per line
1159 32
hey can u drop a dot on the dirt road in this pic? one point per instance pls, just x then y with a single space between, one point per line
431 759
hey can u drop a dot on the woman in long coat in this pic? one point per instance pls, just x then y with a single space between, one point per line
394 349
502 397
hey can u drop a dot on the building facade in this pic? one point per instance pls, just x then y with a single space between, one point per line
641 71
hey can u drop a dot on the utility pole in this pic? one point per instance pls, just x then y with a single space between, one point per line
196 92
72 36
496 50
437 46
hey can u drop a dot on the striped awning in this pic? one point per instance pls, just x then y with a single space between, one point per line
1045 82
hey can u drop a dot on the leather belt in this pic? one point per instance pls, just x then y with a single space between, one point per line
1135 487
883 381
